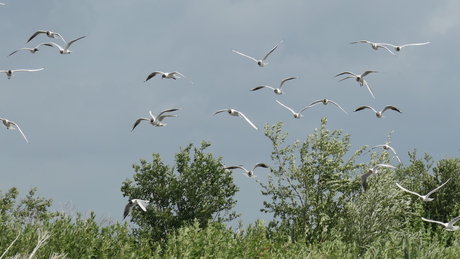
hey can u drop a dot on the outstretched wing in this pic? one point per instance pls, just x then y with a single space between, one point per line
367 73
270 52
391 107
35 35
139 121
437 188
143 204
413 44
369 88
72 41
20 131
260 87
175 72
152 75
346 73
336 104
364 107
293 112
433 221
406 190
245 55
250 122
286 79
236 167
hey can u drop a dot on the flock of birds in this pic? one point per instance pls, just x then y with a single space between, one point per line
157 121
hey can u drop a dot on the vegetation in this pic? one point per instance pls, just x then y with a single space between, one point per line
313 193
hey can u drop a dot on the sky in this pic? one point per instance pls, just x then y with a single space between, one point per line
77 113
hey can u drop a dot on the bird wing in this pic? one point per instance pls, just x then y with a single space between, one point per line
142 203
384 165
60 48
160 118
169 110
245 55
367 73
437 188
360 41
346 73
44 44
175 72
27 70
364 107
35 34
128 208
260 87
434 221
364 180
406 190
286 79
152 75
219 111
246 118
60 36
369 88
270 52
18 50
452 222
413 44
236 167
72 41
20 130
391 107
396 154
260 165
383 47
336 104
286 107
139 121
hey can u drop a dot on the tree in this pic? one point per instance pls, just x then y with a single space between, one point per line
195 187
308 195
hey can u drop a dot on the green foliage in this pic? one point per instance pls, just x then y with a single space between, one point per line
199 189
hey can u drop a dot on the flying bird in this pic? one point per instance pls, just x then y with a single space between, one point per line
11 125
32 50
372 171
259 62
359 79
398 48
50 34
374 45
425 198
276 90
379 114
248 173
296 115
66 50
142 204
325 102
386 147
449 226
9 73
166 75
156 120
236 113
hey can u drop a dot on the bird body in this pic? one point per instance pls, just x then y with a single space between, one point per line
11 125
426 197
259 62
276 90
359 78
236 113
156 120
247 172
131 203
166 75
379 114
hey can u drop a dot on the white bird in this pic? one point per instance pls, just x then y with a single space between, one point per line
359 79
296 115
374 45
386 147
276 90
2 4
166 75
373 170
236 113
449 226
9 73
50 34
66 50
131 203
156 120
248 173
379 114
32 50
398 48
259 62
11 125
325 102
425 198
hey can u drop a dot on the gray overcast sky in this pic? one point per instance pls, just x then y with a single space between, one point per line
77 113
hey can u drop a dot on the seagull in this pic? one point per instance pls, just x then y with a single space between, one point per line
248 173
425 198
166 75
379 114
398 48
32 50
259 62
296 115
11 125
9 73
325 102
142 204
236 113
156 121
66 50
449 226
50 34
375 46
373 170
386 147
359 79
276 90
